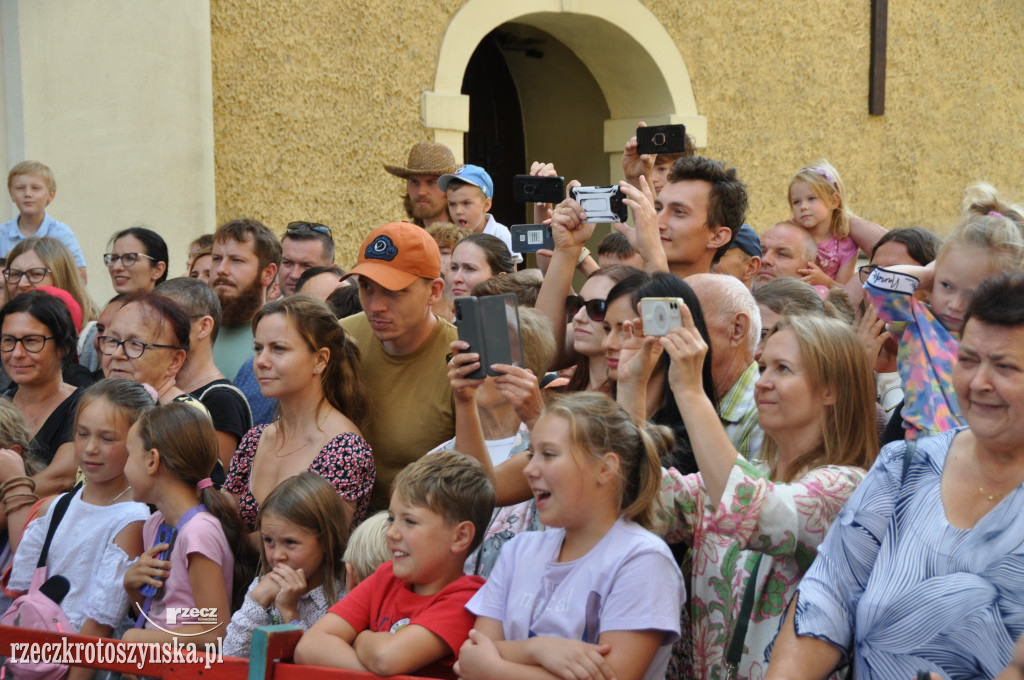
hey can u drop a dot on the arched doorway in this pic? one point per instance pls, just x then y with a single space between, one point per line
636 80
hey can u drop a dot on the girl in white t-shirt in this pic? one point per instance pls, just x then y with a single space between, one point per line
598 594
102 528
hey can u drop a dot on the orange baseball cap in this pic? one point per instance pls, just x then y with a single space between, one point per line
397 254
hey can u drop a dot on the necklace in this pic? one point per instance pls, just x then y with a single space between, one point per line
114 499
200 381
981 490
309 440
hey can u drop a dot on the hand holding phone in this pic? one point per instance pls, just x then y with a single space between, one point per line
538 189
660 315
602 204
165 533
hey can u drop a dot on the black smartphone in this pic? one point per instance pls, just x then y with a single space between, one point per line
165 533
538 189
661 139
529 238
603 204
471 329
500 314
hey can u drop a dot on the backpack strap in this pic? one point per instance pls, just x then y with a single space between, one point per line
58 514
739 633
148 602
908 456
229 386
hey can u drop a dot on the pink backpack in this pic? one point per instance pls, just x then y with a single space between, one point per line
39 608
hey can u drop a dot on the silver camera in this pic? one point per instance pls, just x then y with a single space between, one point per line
603 204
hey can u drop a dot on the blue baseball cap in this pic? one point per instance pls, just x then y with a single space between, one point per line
748 241
470 174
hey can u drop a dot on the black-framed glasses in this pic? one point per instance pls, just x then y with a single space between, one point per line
133 349
309 226
865 271
596 309
31 343
127 259
35 274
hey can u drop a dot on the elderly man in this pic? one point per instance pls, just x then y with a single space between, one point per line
786 248
425 203
742 258
734 328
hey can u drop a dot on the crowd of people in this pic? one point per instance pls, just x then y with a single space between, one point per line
810 469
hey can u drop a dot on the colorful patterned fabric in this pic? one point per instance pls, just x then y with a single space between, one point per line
910 591
786 522
738 413
926 356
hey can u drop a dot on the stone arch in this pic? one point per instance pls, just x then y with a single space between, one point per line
645 79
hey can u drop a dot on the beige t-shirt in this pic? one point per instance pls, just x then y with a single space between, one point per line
411 404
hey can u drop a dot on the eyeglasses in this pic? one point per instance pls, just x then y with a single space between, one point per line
127 259
865 271
309 226
31 343
35 274
133 349
596 309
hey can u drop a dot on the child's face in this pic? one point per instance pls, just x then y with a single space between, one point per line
957 273
468 207
562 486
421 545
100 450
809 211
135 468
659 177
31 194
287 543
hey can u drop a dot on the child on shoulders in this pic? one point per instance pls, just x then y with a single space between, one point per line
32 187
470 191
410 616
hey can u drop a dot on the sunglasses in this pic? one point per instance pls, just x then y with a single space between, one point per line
596 309
309 226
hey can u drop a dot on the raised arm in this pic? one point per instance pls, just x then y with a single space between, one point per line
570 232
646 236
712 448
634 165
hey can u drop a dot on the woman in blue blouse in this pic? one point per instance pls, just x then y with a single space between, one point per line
923 569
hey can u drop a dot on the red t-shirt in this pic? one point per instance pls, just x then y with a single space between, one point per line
385 602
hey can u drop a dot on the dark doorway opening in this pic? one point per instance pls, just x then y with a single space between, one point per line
495 140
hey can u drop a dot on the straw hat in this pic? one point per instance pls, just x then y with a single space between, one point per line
426 158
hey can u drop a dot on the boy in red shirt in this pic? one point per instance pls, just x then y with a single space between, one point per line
409 617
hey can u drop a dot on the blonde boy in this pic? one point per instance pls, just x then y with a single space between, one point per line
409 617
470 191
32 187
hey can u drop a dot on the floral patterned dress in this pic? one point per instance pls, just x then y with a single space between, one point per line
346 461
786 522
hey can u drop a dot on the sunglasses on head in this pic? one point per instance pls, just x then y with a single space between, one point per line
596 309
309 226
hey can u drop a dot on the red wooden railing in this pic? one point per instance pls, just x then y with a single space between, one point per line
271 653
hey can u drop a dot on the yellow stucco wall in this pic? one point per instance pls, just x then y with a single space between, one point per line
311 97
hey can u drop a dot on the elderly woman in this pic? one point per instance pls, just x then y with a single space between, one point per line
147 342
754 528
922 569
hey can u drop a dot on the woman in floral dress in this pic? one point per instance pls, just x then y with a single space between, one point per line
815 404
